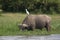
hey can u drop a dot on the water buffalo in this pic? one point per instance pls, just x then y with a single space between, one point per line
32 22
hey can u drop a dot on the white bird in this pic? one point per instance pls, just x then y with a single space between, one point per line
27 11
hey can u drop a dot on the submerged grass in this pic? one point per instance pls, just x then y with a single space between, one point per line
9 21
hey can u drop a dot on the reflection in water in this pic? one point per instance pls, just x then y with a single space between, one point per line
49 37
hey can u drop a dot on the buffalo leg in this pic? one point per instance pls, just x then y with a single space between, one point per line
47 27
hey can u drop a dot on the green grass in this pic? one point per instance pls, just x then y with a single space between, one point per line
9 21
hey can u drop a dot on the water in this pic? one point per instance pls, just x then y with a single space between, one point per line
48 37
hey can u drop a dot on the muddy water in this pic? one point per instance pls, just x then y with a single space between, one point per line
49 37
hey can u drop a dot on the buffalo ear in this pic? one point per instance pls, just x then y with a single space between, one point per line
25 25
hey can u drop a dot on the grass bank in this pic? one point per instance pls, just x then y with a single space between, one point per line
9 21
